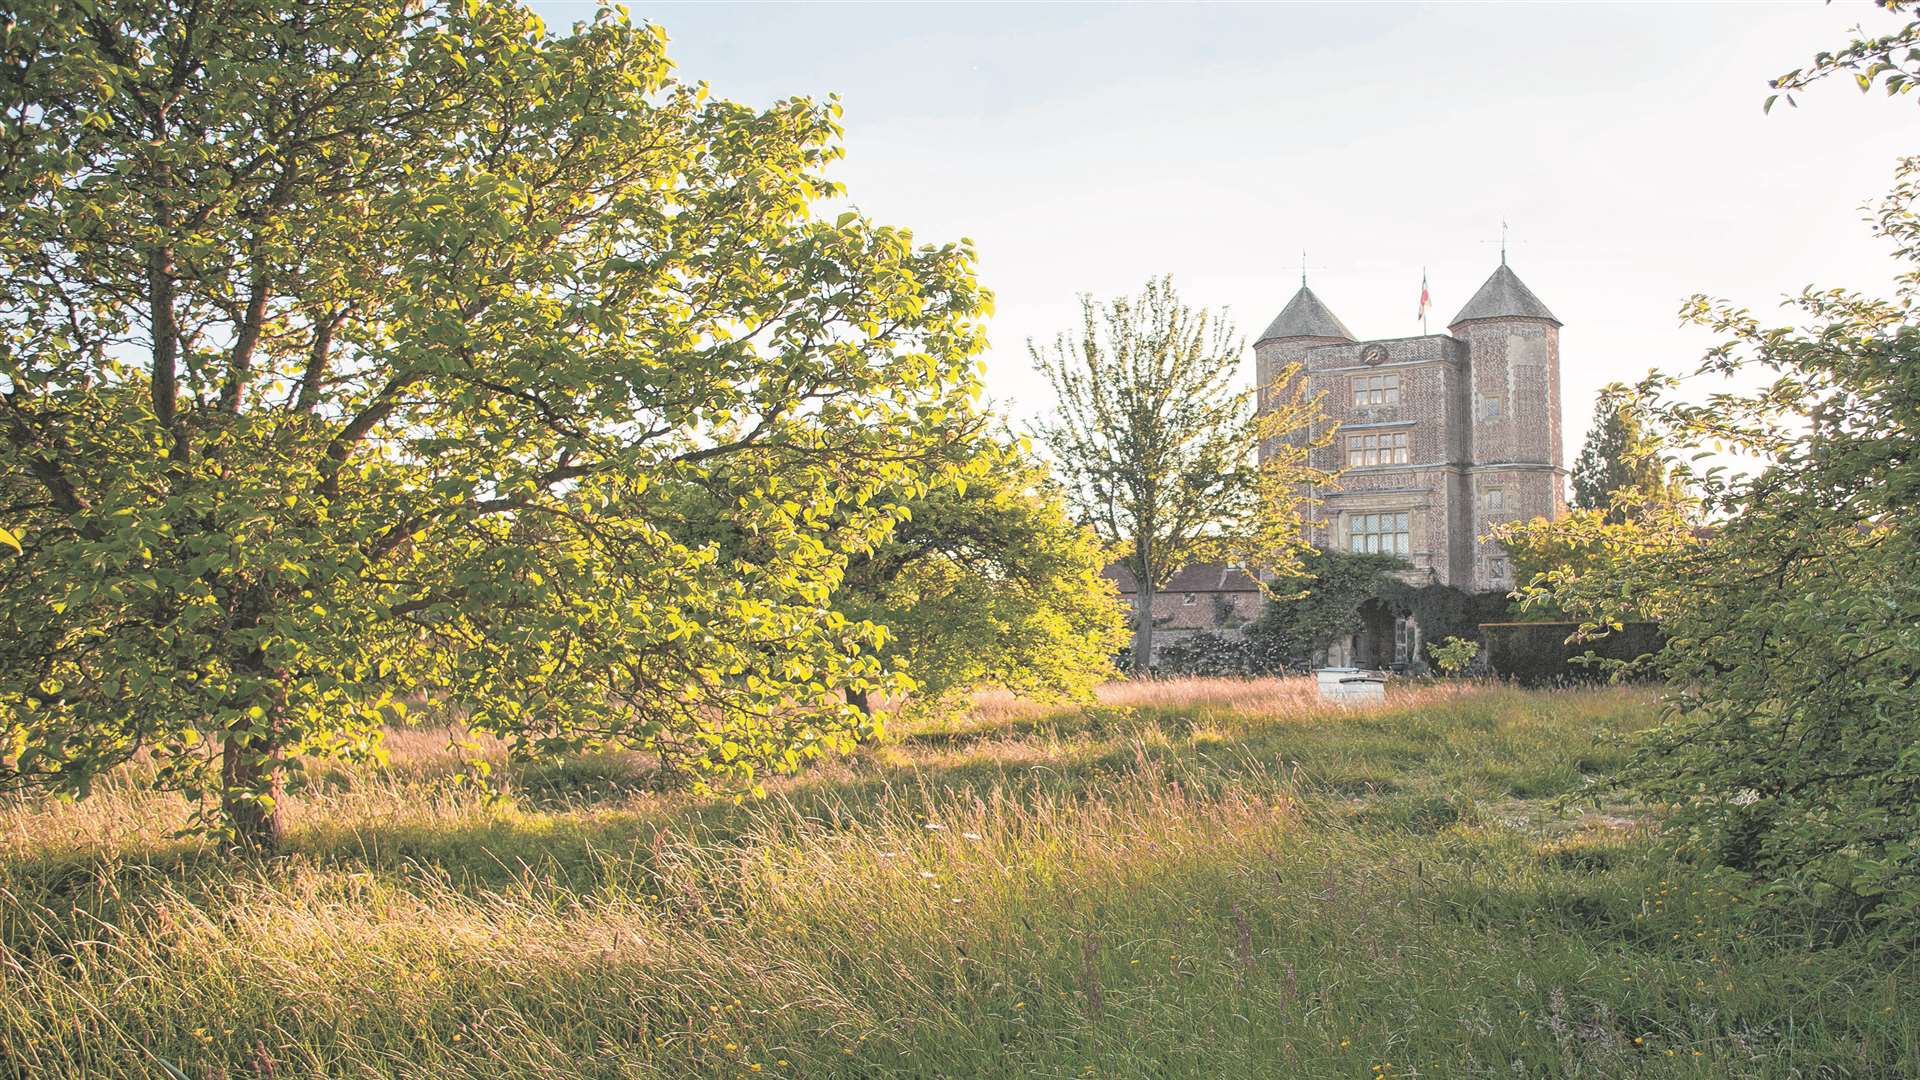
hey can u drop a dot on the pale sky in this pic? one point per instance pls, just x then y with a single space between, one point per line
1088 147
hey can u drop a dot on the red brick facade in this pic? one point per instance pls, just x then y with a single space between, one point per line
1441 436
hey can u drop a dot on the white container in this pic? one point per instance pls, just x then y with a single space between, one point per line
1352 686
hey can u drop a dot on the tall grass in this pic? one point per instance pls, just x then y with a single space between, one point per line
1182 879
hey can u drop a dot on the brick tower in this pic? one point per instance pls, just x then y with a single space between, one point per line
1441 436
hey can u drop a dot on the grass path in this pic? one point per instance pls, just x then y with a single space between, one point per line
1196 879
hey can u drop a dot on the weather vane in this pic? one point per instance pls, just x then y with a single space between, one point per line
1502 241
1304 268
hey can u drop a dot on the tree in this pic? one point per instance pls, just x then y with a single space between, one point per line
1603 567
1789 745
1891 61
355 353
988 581
1621 454
1156 444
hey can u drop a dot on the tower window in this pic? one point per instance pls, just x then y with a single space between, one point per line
1496 499
1382 534
1186 599
1377 448
1375 390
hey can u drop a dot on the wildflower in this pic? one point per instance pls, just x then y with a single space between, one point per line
1344 1043
731 1047
971 835
1019 1004
755 1066
934 826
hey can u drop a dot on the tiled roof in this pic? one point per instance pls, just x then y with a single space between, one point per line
1193 578
1305 316
1504 296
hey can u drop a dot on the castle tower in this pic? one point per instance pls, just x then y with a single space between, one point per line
1305 323
1513 446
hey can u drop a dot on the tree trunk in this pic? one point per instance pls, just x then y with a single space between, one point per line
858 699
1143 628
251 767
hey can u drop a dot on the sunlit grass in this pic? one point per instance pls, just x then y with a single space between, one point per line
1206 878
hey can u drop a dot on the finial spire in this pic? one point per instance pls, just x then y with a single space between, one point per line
1303 268
1503 241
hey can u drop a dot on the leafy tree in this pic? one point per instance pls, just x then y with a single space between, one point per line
1891 61
355 353
1790 747
1620 454
988 581
1156 443
1606 567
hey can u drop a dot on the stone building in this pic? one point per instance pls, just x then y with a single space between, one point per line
1441 436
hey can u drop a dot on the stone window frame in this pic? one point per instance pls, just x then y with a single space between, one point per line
1370 391
1384 448
1380 532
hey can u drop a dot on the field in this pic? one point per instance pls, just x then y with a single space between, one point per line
1187 879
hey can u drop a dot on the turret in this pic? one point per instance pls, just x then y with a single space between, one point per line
1513 344
1305 322
1514 458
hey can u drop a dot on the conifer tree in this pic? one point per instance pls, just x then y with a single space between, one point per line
1620 454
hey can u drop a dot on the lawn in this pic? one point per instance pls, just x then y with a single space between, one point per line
1186 879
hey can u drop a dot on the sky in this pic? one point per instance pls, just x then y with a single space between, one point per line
1085 148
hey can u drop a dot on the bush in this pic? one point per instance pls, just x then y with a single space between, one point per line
1454 655
1210 654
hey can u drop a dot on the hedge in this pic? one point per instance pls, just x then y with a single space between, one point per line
1539 654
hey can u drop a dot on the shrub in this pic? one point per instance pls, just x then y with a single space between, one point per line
1454 655
1210 654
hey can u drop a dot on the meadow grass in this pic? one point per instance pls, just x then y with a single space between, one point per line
1196 878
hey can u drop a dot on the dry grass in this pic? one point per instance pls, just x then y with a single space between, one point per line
1203 878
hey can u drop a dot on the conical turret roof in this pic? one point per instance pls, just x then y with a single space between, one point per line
1305 316
1504 296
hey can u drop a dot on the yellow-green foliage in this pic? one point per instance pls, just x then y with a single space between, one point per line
988 581
358 351
1184 879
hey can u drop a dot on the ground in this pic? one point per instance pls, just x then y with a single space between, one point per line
1207 879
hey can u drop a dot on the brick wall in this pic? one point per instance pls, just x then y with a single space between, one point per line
1481 413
